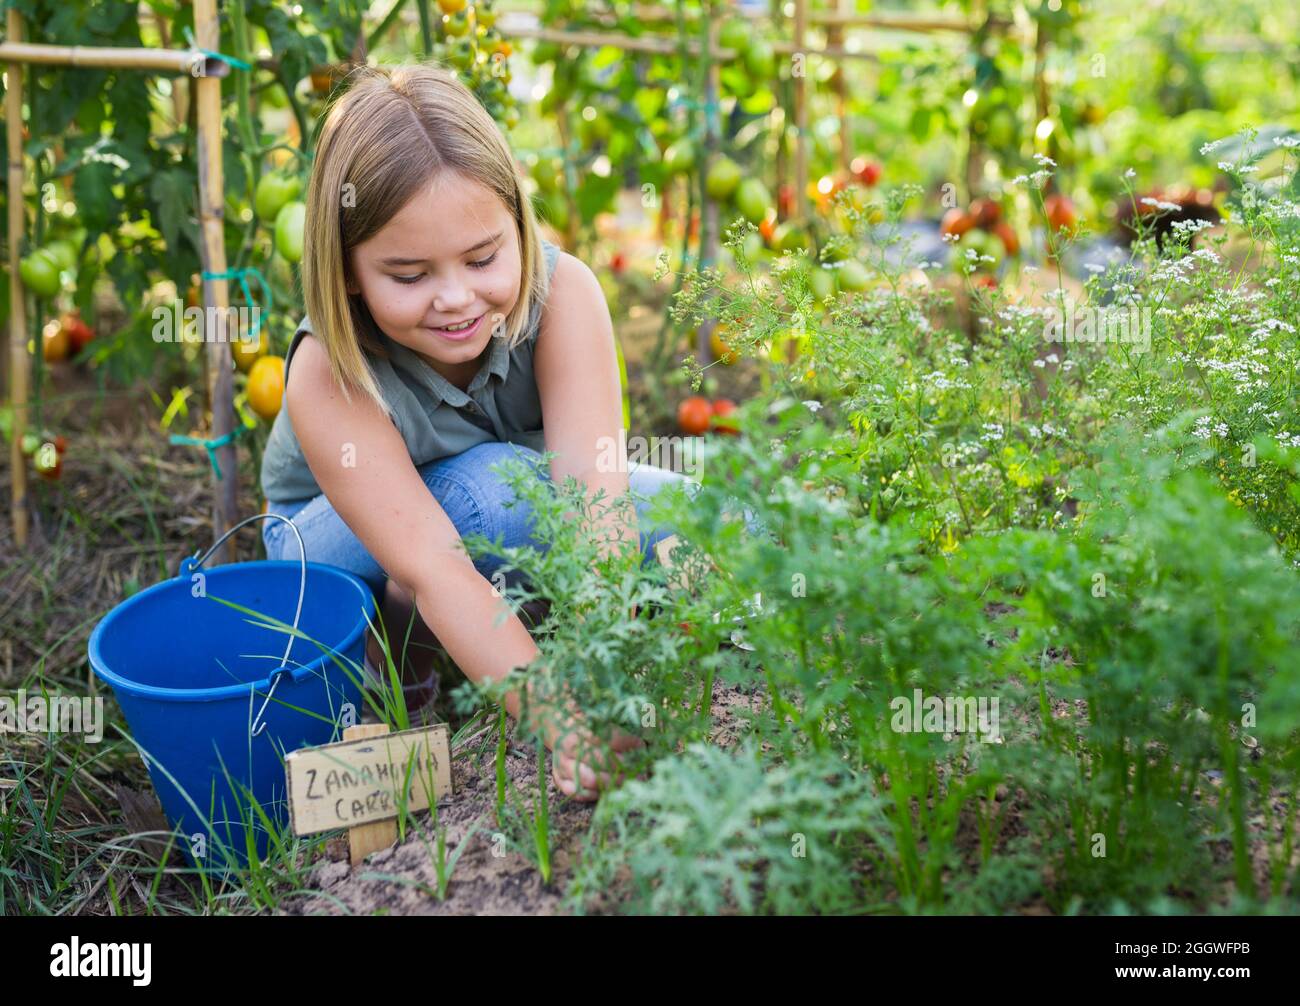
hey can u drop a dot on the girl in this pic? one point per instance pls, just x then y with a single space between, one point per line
443 335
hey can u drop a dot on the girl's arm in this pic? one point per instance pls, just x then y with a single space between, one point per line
403 527
577 380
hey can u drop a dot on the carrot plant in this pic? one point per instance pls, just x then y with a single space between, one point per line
1095 537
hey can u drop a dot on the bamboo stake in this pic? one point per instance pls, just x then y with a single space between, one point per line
889 22
17 301
666 46
835 37
571 226
212 250
801 113
171 60
709 216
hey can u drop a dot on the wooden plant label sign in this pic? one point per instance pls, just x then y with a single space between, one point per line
364 779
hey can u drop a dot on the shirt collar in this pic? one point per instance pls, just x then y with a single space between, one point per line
498 363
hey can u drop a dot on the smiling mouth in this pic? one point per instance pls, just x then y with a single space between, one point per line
458 327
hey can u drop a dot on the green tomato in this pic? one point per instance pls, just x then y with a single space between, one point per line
790 238
982 243
735 34
760 60
753 246
289 227
455 25
274 189
65 253
853 276
40 273
460 54
680 157
723 179
279 272
753 200
822 282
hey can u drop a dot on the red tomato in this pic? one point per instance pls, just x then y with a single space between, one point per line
1060 212
723 407
986 213
956 222
1007 234
693 416
79 333
866 170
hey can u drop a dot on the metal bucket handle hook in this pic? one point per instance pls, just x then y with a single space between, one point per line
190 563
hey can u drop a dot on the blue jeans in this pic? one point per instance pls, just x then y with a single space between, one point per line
474 499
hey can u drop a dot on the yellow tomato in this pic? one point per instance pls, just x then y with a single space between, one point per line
721 351
248 353
266 386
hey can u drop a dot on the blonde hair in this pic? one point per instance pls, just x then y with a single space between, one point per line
386 136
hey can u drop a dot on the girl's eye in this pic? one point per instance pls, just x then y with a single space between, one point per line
485 262
408 279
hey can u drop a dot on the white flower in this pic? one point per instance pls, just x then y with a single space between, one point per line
1040 364
1044 160
1207 147
1053 358
1190 226
1130 173
813 406
1290 142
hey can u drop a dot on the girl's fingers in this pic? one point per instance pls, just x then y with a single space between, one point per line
564 782
583 773
578 779
626 742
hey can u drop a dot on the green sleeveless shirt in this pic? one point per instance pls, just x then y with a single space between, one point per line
435 418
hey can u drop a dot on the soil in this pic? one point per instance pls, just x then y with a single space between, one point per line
488 879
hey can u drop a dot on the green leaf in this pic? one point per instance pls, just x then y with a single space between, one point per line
173 194
93 190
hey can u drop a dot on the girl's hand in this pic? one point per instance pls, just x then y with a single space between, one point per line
582 764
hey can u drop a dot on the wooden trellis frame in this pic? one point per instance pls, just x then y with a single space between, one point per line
834 23
207 72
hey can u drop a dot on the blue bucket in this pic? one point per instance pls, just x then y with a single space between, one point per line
216 697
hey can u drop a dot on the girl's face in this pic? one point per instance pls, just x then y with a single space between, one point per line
449 257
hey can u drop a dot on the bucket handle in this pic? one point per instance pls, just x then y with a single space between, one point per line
192 562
